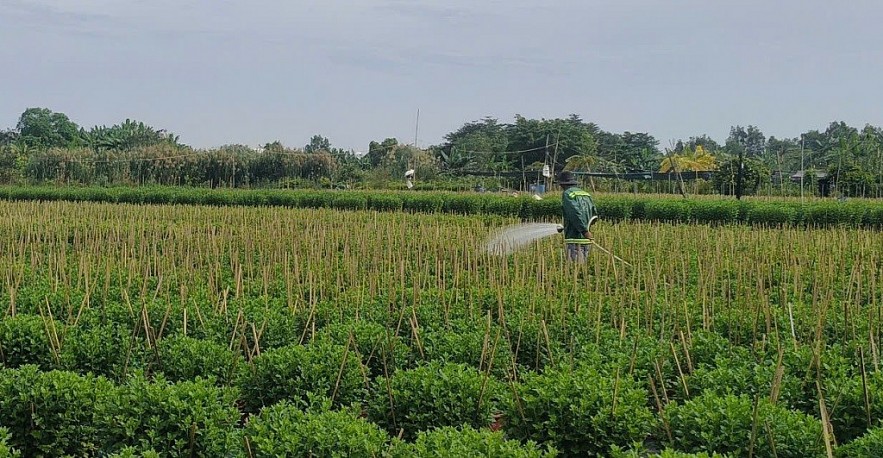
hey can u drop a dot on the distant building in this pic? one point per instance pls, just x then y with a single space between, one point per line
817 174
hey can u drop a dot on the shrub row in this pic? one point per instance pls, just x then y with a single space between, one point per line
611 207
584 408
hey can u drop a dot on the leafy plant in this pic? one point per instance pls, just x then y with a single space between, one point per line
579 411
24 340
433 395
295 372
729 424
467 442
192 418
185 358
285 430
53 413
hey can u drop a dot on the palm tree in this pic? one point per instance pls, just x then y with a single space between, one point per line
698 160
585 162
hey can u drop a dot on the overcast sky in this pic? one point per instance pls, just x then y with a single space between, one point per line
254 71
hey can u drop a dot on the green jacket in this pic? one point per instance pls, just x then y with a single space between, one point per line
579 208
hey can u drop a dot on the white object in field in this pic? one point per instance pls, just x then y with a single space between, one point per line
409 173
513 238
546 171
537 197
409 183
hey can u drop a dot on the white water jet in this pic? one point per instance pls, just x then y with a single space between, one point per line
513 238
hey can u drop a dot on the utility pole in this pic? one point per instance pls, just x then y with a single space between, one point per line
416 127
802 165
740 173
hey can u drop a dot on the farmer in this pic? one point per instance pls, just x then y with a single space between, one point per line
579 212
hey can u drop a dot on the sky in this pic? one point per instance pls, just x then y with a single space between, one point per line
249 72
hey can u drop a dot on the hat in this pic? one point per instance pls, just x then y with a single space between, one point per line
566 178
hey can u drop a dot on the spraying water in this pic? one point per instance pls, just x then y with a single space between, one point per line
512 238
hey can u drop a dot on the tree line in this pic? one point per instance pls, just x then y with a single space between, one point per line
48 147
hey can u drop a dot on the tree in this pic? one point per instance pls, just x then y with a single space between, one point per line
127 136
703 140
695 160
753 171
318 143
377 152
750 141
41 127
564 137
641 151
8 137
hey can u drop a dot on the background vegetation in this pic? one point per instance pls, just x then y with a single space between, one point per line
48 147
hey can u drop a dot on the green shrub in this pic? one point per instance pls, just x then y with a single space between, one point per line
192 418
185 358
667 210
715 211
463 204
433 395
6 451
640 452
615 208
846 398
103 350
285 430
24 340
868 446
426 203
466 442
384 202
724 423
823 214
770 214
349 201
505 206
380 350
296 372
548 208
572 410
133 452
474 347
52 413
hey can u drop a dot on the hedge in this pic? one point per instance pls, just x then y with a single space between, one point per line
611 207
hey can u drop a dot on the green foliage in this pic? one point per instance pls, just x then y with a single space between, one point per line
639 452
285 430
297 372
715 211
6 451
43 128
769 214
483 350
24 340
868 446
667 210
52 413
106 350
433 395
381 351
346 201
727 424
575 410
466 442
192 418
754 174
848 411
133 452
611 207
185 358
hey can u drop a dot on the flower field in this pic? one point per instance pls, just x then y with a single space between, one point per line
258 331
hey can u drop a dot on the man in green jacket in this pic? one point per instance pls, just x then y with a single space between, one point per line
579 213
